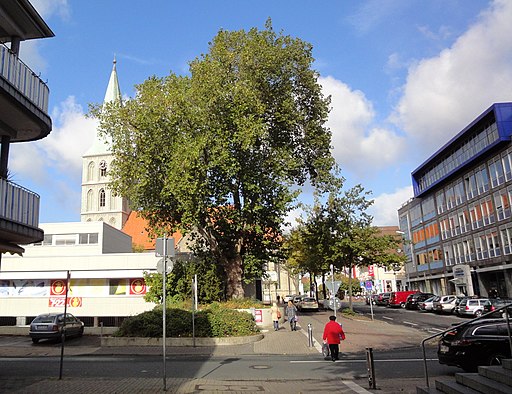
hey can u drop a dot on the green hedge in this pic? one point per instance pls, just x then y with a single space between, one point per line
213 321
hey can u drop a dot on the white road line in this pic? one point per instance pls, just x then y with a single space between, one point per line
388 318
407 360
355 387
411 323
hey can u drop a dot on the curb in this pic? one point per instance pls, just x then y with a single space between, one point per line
179 342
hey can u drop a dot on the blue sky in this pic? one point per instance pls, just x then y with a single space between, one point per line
404 75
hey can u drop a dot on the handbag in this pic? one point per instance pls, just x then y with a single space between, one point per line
325 350
278 314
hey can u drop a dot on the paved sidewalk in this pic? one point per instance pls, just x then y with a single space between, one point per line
361 333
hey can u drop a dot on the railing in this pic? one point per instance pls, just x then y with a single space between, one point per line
23 79
505 307
18 204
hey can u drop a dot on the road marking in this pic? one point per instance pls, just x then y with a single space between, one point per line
411 323
405 360
355 387
388 318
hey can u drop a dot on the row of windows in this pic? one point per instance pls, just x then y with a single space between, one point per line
497 172
101 202
484 245
91 171
68 239
471 147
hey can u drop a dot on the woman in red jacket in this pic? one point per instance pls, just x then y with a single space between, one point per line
333 334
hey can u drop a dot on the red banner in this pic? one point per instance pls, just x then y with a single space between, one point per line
137 286
370 270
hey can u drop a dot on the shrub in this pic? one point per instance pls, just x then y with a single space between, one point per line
215 320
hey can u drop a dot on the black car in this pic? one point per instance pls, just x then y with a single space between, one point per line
414 300
496 303
482 342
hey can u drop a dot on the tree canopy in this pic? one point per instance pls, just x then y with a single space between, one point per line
220 152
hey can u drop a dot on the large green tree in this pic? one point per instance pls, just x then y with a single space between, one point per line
220 152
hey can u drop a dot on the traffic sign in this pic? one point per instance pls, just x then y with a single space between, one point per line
160 266
336 284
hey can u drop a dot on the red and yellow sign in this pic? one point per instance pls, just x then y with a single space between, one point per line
56 302
58 287
137 286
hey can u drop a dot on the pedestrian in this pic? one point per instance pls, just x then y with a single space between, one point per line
333 334
276 315
291 315
278 299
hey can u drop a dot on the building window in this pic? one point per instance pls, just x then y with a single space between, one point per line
487 211
460 195
476 216
444 225
450 197
429 209
102 198
482 180
103 169
507 165
88 238
440 202
117 286
90 171
89 200
471 188
502 203
496 172
65 239
506 240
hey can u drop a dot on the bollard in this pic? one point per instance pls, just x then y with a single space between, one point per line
101 331
371 368
310 335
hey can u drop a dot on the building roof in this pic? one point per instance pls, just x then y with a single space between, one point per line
136 227
18 18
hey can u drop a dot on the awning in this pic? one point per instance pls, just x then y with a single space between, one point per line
7 247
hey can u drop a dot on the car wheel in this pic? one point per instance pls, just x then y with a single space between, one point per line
495 359
402 305
81 332
478 313
35 340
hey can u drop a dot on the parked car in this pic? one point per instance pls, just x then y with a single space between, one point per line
288 297
414 300
51 326
472 306
399 298
496 303
297 299
445 304
308 303
382 299
482 342
428 304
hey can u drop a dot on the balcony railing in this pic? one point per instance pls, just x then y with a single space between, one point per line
18 204
23 79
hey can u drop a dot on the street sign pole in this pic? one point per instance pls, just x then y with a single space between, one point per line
164 310
333 293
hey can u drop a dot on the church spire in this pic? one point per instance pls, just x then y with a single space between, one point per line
113 92
100 145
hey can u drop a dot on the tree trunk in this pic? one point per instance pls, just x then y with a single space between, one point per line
233 270
350 286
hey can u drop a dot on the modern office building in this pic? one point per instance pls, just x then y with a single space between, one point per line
458 225
23 117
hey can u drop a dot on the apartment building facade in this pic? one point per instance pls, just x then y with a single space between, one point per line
458 225
23 117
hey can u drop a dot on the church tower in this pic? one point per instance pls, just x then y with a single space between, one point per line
98 201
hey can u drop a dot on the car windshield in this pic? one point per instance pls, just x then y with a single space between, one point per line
309 300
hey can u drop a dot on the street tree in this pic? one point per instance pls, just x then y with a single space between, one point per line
221 153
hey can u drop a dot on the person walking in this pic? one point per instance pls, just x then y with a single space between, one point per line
276 315
291 315
333 334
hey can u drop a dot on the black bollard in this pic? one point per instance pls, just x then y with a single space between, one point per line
371 368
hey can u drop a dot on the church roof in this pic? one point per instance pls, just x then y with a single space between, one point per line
100 145
136 227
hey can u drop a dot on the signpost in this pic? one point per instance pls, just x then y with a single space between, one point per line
164 247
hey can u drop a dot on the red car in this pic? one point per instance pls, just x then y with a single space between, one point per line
399 298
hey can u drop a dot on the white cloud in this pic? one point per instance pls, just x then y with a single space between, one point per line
444 93
357 145
48 8
385 206
72 134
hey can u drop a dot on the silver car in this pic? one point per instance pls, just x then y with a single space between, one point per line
472 307
51 326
